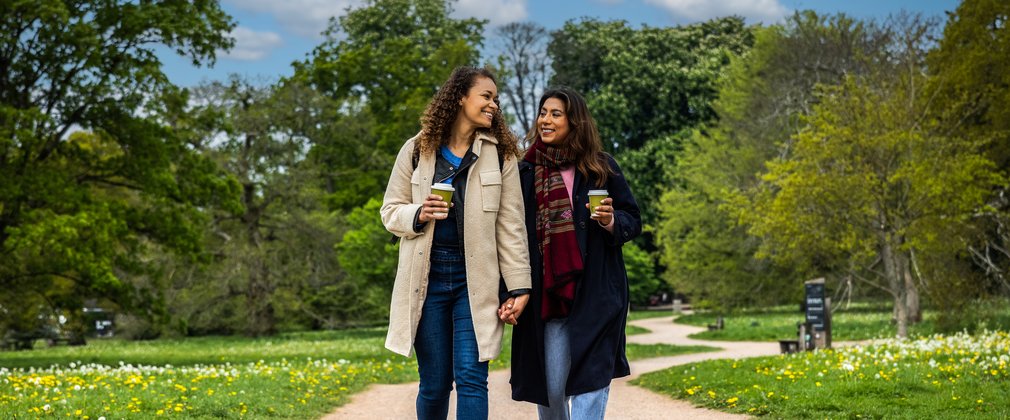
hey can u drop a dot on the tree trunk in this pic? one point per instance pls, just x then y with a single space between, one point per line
259 309
912 300
896 282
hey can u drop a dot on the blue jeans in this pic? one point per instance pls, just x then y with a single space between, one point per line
558 360
446 346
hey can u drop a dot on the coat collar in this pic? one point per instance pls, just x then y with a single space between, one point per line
480 139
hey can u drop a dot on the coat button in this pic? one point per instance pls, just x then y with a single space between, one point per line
416 290
582 224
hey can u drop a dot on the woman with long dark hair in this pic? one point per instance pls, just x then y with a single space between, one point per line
455 253
569 343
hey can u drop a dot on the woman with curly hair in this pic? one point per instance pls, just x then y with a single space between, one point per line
570 343
455 256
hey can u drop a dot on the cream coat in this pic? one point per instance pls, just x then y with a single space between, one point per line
494 236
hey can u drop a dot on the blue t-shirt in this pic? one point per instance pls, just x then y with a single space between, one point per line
446 231
451 158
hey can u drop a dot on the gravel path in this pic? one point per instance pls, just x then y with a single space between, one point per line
626 401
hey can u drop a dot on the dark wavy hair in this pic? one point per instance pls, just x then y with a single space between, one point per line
583 138
438 117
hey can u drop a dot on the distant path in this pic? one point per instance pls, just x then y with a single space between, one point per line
626 401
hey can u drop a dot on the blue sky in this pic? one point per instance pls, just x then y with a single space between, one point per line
270 34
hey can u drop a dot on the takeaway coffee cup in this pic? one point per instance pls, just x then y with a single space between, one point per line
443 190
595 199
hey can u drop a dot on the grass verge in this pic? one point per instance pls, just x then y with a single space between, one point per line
959 376
860 322
294 375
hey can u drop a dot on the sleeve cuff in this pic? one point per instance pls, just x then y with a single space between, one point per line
519 292
418 224
609 227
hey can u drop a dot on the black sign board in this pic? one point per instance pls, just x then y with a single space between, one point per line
815 306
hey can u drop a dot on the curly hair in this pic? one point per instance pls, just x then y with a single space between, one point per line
441 112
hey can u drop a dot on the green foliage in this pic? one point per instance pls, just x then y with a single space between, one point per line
369 257
384 61
642 279
274 260
646 88
647 83
97 175
970 82
870 179
972 66
762 97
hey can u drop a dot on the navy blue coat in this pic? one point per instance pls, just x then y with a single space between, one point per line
598 316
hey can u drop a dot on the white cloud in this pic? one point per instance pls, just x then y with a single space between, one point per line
767 11
303 17
251 45
497 12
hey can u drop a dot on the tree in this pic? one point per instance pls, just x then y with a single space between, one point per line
97 173
645 85
256 147
763 95
523 69
384 61
369 257
869 185
971 69
378 67
648 83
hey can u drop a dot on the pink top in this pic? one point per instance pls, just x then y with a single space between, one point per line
568 174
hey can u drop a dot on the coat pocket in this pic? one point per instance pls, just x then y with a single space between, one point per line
490 190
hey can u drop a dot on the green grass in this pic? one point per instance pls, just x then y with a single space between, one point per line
957 376
646 351
636 315
354 345
632 330
289 376
295 375
861 322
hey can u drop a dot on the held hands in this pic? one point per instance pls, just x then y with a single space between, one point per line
603 213
513 307
433 208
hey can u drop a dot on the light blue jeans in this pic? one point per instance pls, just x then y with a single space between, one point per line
558 358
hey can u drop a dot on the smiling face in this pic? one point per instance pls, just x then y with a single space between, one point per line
552 122
480 103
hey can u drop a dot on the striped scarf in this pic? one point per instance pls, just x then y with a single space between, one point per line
562 260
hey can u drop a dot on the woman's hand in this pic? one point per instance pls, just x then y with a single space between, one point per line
513 307
433 209
603 213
